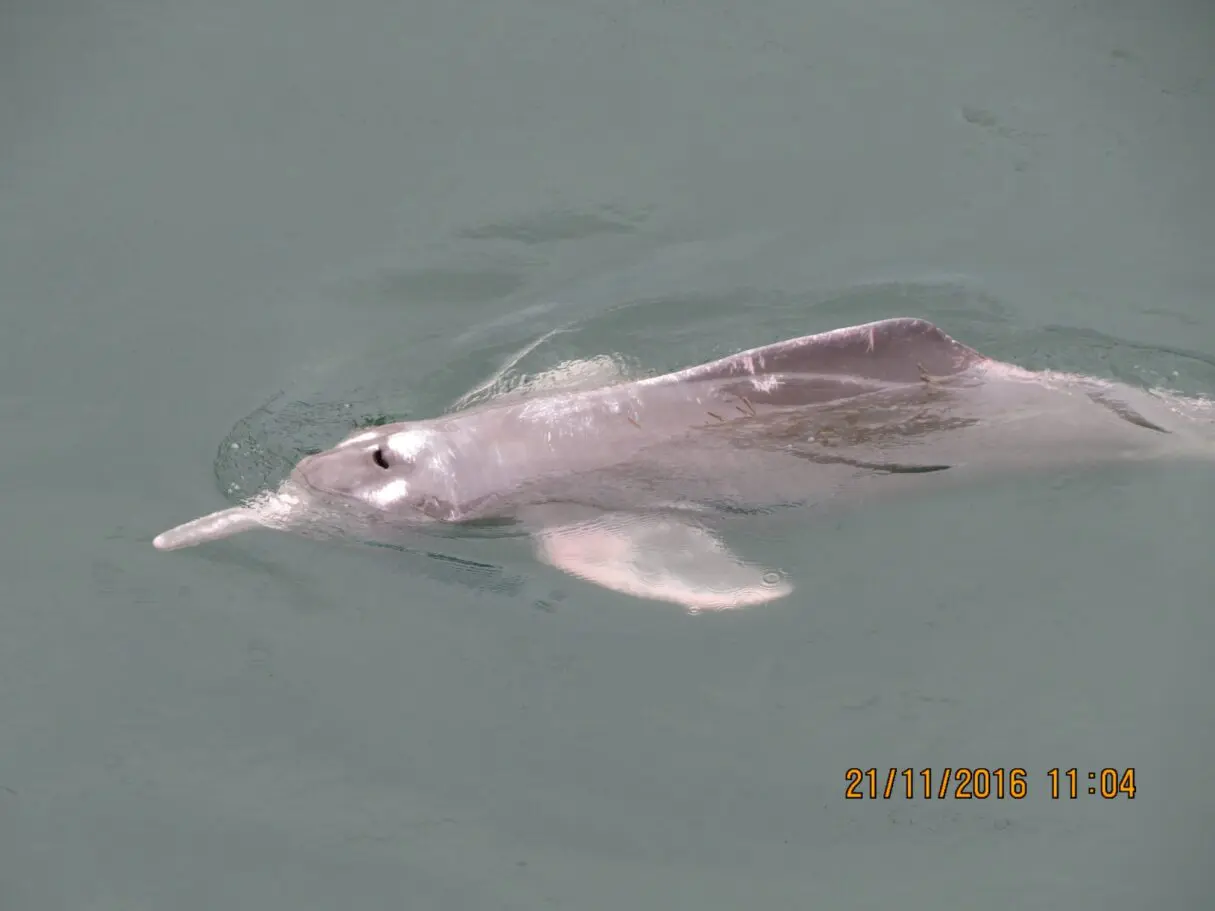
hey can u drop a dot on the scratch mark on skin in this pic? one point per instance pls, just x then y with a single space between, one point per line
925 377
747 402
633 422
714 415
881 467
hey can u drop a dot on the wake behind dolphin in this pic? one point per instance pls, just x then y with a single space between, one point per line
617 485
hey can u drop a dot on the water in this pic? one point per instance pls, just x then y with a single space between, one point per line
207 209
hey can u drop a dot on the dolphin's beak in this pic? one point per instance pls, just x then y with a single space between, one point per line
222 524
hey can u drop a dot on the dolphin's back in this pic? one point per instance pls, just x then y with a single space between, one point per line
693 422
892 350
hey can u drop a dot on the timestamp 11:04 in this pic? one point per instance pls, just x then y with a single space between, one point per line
1107 783
960 782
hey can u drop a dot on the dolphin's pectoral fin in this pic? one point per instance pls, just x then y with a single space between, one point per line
657 557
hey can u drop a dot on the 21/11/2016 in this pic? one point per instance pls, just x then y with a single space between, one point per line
980 783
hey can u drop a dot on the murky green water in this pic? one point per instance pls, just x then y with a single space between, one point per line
213 214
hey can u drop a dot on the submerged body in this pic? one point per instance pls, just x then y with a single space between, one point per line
613 482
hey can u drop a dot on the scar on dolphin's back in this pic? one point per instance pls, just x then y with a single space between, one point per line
882 467
1126 412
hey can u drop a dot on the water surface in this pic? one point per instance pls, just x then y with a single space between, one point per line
206 208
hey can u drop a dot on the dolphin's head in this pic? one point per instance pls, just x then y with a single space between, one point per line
397 468
397 474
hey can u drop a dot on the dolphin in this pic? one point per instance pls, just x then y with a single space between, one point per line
616 485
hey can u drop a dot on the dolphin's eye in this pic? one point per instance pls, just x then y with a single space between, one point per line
379 458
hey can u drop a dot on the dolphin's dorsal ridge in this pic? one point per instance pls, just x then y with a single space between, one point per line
901 350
